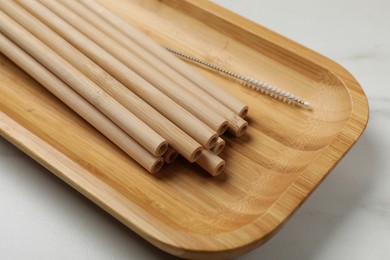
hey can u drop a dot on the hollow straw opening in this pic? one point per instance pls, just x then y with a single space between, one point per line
222 129
219 169
219 148
196 155
162 148
242 129
244 112
172 157
157 166
212 142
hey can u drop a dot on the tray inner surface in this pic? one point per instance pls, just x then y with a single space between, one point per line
281 142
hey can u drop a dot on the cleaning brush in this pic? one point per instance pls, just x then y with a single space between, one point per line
257 85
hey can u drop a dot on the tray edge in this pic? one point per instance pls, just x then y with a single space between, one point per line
278 213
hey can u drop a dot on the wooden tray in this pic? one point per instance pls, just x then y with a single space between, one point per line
271 170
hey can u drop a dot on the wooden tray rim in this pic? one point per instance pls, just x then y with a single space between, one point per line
277 214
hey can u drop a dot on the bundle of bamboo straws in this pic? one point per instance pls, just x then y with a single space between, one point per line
145 100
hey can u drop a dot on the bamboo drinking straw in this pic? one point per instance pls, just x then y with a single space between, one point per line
219 146
200 80
177 138
133 126
80 106
182 118
170 156
236 124
211 162
195 106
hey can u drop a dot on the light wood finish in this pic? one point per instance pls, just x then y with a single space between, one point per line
219 146
170 156
202 82
160 80
195 106
177 138
236 124
177 114
82 107
270 171
132 125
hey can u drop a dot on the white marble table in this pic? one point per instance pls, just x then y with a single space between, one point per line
348 217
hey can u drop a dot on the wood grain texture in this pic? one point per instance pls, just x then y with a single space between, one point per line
82 107
159 80
178 139
235 123
284 155
126 120
201 82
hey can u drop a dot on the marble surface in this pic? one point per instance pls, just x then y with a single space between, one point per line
348 217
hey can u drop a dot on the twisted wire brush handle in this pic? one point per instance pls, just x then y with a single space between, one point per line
258 85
